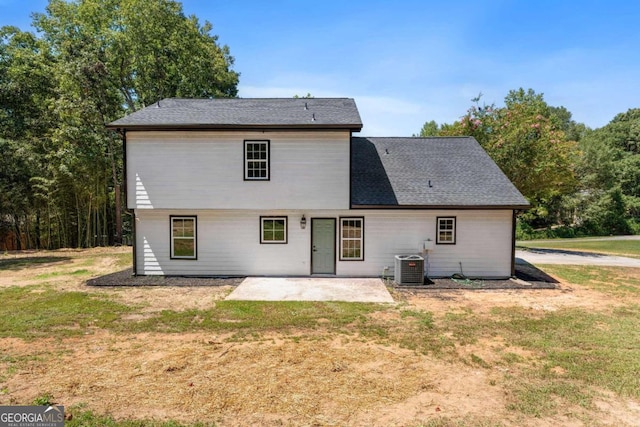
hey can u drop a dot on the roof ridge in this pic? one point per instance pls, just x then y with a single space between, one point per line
336 113
418 137
256 98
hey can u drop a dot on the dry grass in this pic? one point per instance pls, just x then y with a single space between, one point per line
275 381
357 374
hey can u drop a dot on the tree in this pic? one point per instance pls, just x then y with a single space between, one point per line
561 118
430 128
26 85
15 191
588 180
128 53
27 90
95 61
609 170
526 143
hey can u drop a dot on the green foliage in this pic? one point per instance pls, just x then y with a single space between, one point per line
44 400
526 142
579 181
90 63
524 231
429 129
609 168
606 215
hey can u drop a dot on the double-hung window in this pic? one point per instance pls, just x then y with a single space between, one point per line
446 233
256 160
184 237
352 239
273 229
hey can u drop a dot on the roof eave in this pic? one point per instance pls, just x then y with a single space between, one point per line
355 127
442 207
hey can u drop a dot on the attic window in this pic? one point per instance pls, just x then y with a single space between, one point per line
256 160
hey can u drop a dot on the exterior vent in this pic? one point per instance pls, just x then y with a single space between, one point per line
409 270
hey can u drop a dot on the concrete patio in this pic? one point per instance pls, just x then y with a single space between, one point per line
311 289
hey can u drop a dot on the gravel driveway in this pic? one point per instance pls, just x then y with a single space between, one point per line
558 256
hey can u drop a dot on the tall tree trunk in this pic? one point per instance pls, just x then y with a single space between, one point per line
105 222
49 242
116 194
37 231
88 243
78 242
27 239
118 208
16 225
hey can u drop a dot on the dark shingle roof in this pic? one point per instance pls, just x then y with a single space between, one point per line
245 113
428 172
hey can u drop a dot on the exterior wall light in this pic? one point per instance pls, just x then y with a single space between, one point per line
303 222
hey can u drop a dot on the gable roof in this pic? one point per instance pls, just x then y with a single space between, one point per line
225 113
438 172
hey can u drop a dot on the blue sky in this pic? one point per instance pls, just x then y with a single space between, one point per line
407 62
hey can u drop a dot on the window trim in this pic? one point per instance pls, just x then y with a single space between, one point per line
245 161
352 218
195 237
455 230
286 230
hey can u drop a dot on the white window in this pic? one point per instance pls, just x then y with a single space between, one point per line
273 229
183 237
351 239
256 160
446 231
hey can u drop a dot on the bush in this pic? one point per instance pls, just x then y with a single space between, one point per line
524 231
607 215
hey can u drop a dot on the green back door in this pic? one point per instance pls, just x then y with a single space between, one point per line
323 246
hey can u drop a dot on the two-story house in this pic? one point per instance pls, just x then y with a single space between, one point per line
282 187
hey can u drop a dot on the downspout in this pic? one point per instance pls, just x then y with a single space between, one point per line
131 212
513 243
350 169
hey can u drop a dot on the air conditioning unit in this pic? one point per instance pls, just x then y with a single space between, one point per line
409 270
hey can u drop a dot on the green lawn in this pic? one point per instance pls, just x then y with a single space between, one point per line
39 311
629 248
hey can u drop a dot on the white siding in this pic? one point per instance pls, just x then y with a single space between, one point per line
229 243
205 170
482 249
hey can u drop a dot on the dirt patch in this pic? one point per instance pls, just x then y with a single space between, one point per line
154 299
275 381
565 296
199 377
